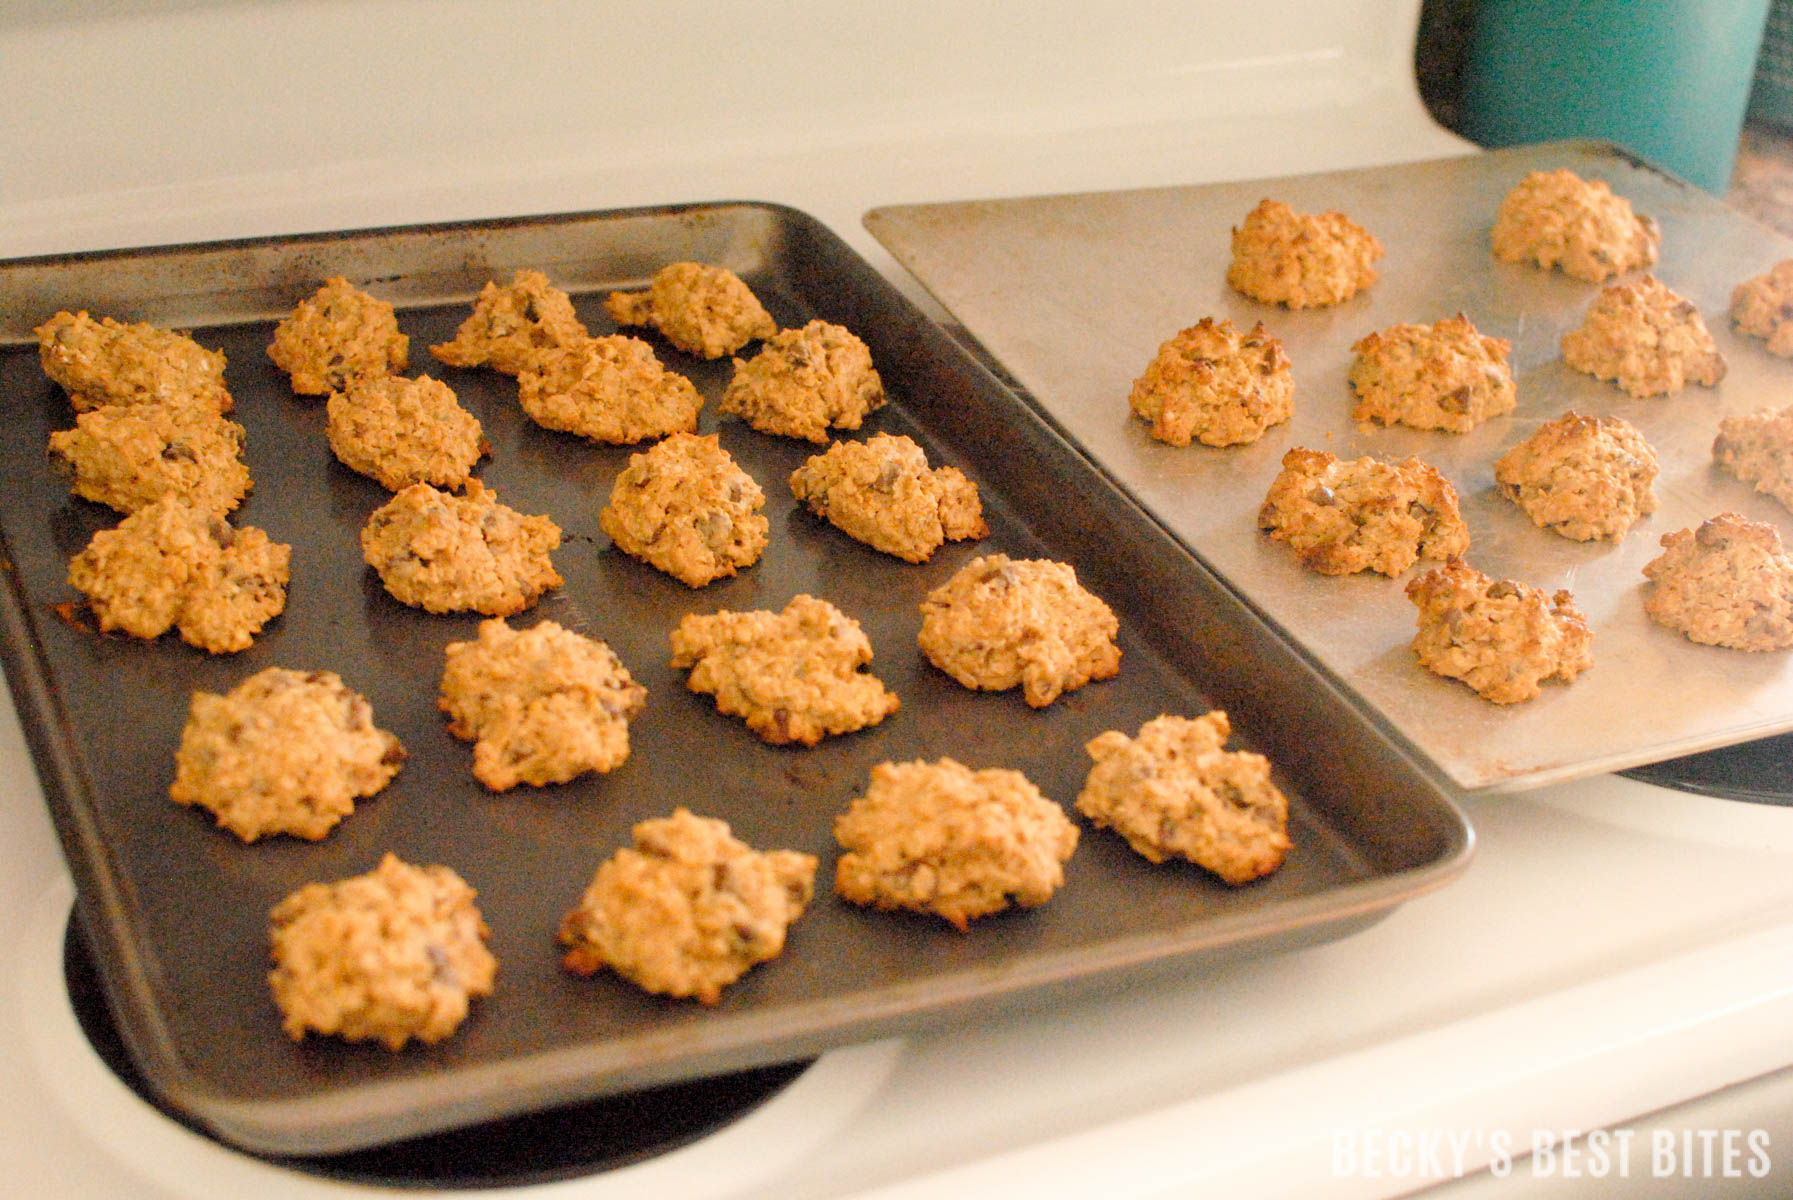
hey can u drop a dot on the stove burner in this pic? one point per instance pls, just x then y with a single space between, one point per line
564 1143
1760 772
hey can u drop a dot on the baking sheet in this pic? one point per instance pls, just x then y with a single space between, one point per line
1073 295
176 909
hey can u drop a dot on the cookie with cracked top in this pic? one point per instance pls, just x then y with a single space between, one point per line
282 752
390 956
687 909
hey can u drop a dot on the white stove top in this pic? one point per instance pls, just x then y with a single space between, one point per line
1613 949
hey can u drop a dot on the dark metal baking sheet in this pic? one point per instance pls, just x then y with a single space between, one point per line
1073 294
176 909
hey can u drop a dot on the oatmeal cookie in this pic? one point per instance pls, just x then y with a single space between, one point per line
400 431
1301 260
804 382
336 337
610 389
166 566
1363 514
541 705
703 310
1727 583
685 507
882 492
1445 375
1762 307
104 362
509 324
1175 791
1500 637
443 553
1647 339
941 838
282 752
395 954
999 623
1586 478
687 910
794 676
1758 448
1212 384
1579 226
127 456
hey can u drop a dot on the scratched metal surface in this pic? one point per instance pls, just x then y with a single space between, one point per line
1073 295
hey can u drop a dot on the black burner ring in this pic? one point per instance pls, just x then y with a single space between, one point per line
1760 772
563 1143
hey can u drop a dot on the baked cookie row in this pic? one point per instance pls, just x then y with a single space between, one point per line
399 954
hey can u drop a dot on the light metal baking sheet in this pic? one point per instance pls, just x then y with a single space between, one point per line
1073 294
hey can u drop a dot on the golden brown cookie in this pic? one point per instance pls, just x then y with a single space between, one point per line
166 566
793 676
1727 583
1579 226
1645 338
127 456
804 382
1500 637
336 336
688 909
1364 514
1758 448
542 705
610 389
703 310
106 362
1212 384
509 324
685 507
400 431
443 552
1301 260
282 752
1000 623
882 492
941 838
1445 375
395 954
1586 478
1762 307
1175 791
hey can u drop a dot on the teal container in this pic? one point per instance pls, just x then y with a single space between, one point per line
1668 79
